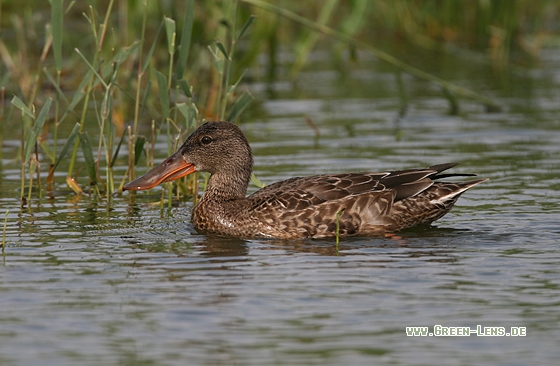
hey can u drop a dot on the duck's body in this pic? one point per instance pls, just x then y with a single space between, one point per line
362 204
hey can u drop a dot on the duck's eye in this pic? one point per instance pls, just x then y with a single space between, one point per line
206 140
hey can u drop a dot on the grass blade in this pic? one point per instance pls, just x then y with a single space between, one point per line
453 103
88 157
186 35
69 143
71 182
92 69
218 62
78 96
170 31
189 112
163 95
244 100
308 40
70 6
222 49
56 86
185 87
124 53
145 98
256 181
139 148
56 24
4 232
47 149
151 51
231 88
246 26
118 149
37 128
4 79
20 105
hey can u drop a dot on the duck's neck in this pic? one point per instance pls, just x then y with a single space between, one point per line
229 179
223 186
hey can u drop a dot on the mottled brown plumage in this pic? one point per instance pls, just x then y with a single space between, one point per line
304 207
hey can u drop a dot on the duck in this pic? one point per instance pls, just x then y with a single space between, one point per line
321 206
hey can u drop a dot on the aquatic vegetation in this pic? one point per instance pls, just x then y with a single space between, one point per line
111 77
109 84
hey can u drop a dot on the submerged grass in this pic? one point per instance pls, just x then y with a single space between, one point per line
171 65
4 232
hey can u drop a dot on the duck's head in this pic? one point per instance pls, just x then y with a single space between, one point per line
215 147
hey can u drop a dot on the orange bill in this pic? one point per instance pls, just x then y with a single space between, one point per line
174 167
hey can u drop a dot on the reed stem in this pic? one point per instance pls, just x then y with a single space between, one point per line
4 233
461 91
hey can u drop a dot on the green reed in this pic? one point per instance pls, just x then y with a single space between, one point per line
401 65
163 67
4 232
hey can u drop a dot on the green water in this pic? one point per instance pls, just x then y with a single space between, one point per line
94 281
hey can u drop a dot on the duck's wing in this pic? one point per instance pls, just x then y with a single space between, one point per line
302 192
313 206
310 206
293 196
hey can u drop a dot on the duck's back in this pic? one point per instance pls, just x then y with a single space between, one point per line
358 203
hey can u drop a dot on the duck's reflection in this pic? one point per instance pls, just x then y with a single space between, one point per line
433 242
420 243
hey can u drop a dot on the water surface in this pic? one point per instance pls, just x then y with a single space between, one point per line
94 281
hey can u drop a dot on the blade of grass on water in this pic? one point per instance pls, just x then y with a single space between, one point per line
71 182
88 156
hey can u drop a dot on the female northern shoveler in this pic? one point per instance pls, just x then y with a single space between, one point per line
304 207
